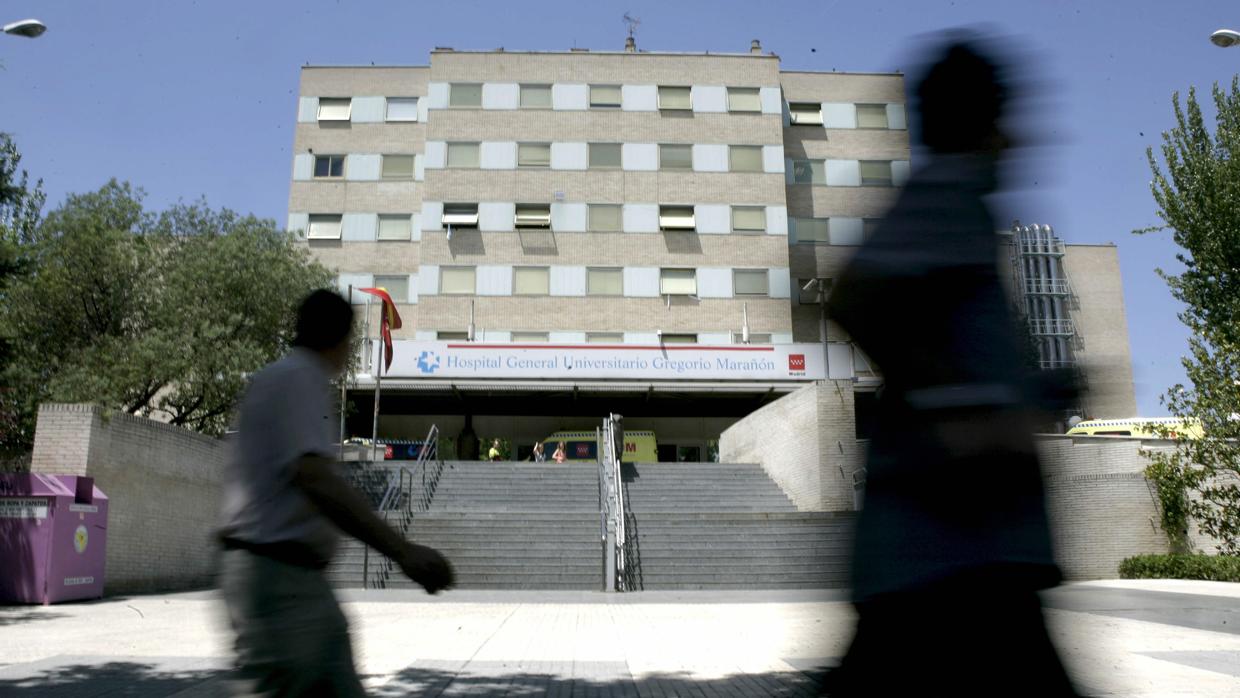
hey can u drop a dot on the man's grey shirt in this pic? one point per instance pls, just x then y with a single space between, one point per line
285 414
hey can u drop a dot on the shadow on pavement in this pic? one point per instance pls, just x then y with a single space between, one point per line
105 679
15 615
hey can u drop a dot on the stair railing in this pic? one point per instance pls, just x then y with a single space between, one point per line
610 464
399 500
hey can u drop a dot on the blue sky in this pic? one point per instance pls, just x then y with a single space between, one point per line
189 99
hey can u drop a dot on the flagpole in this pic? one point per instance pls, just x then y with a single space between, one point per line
344 388
374 429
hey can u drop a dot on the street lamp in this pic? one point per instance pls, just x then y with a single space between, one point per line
29 28
1225 38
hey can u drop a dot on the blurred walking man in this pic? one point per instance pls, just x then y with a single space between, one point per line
952 543
284 508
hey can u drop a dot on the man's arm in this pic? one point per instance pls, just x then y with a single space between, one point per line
345 507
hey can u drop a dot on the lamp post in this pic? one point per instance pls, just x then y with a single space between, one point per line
29 28
1225 38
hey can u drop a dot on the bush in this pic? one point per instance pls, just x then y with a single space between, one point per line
1215 568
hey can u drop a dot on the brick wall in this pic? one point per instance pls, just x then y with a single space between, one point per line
162 483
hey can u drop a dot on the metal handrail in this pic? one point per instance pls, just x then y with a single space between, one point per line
603 508
615 499
399 498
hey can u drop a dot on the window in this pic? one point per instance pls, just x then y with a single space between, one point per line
868 226
444 336
463 155
754 338
604 282
533 216
744 99
397 167
748 219
749 282
535 96
805 113
871 116
460 215
529 337
604 96
674 99
335 108
675 157
808 290
327 166
875 173
461 94
324 227
676 218
402 108
605 218
813 229
395 227
679 338
604 155
531 281
396 286
677 282
456 281
534 155
604 338
745 158
809 171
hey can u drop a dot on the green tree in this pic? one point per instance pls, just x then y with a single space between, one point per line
1197 190
158 314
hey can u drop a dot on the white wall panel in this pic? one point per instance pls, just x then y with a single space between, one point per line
498 155
710 158
570 97
424 335
495 336
714 339
646 338
781 338
772 100
895 117
773 158
413 289
308 110
641 218
298 222
501 95
639 98
419 168
303 166
640 157
899 172
436 155
714 282
839 115
432 216
709 98
359 226
368 110
569 156
568 281
428 280
567 337
780 282
497 216
776 220
494 279
569 218
415 228
424 105
357 281
363 167
437 95
713 219
843 173
839 360
843 230
641 282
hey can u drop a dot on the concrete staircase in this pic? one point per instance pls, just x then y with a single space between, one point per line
503 526
727 526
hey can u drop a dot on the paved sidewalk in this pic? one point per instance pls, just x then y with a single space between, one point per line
1118 638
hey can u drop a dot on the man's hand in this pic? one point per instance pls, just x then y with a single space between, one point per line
426 567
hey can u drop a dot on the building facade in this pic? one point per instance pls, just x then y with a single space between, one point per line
665 224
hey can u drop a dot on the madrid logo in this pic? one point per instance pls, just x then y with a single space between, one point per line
796 364
428 362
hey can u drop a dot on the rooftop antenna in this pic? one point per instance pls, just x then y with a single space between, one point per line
630 44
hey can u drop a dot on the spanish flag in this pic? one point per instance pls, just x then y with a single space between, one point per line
390 320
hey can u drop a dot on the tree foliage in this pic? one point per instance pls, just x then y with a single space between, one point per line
160 314
1197 190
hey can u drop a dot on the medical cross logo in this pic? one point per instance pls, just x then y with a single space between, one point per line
428 361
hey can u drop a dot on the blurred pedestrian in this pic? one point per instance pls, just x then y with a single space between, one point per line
494 454
283 510
560 454
952 543
540 452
